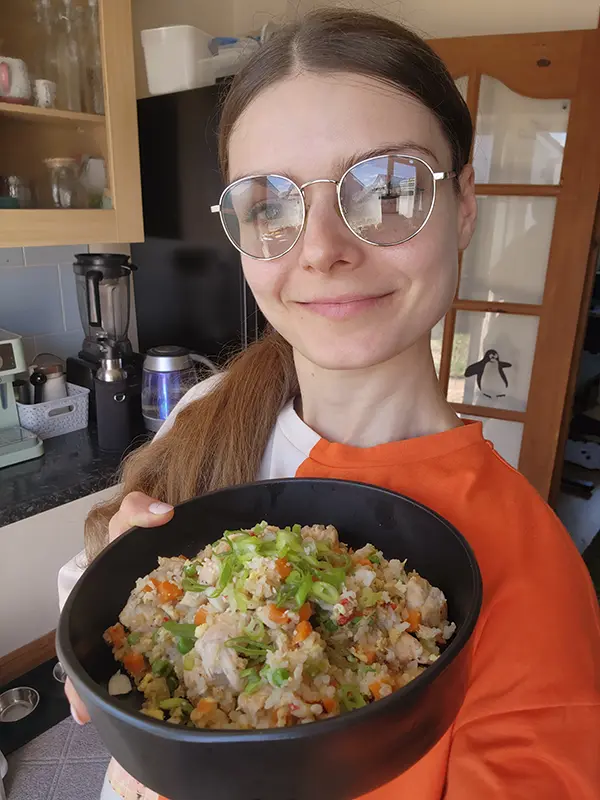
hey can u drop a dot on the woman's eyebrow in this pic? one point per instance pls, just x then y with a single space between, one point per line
400 148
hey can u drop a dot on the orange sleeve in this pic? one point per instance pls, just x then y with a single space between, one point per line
530 725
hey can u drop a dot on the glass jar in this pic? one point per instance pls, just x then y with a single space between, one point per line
64 182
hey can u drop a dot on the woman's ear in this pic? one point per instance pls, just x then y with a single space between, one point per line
467 207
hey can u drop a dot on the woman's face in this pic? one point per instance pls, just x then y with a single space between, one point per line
340 302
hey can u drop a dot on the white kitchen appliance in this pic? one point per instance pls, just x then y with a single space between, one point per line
16 443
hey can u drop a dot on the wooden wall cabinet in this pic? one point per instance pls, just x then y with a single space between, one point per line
29 135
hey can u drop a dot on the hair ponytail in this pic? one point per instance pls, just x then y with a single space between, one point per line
216 441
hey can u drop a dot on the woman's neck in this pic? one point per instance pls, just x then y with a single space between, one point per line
399 399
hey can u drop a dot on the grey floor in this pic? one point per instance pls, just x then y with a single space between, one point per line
67 762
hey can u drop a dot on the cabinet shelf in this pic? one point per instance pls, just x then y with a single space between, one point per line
52 115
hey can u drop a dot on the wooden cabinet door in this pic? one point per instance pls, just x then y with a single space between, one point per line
29 135
505 350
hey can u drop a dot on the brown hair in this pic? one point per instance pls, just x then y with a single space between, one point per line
219 439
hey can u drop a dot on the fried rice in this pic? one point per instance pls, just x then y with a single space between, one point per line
271 627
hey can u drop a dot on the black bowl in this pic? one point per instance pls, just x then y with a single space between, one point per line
338 759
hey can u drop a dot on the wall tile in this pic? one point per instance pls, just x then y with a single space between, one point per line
69 298
30 301
46 256
60 344
11 257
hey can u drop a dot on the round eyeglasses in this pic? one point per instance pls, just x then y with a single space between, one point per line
384 201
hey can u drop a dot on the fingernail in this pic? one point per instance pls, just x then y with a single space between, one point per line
160 508
76 716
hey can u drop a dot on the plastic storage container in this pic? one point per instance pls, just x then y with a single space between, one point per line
56 417
172 54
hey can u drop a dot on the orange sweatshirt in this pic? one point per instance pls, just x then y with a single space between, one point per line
529 728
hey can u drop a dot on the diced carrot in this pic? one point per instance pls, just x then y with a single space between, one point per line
376 687
116 635
205 705
283 567
200 616
370 655
278 615
134 663
329 704
306 612
148 587
364 562
303 629
414 620
169 592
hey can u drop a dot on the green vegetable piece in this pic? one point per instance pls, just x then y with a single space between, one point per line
161 667
374 559
253 683
324 592
189 661
191 585
280 676
185 629
303 590
176 702
368 598
335 576
255 628
134 638
172 682
247 646
226 574
190 570
184 645
328 624
350 697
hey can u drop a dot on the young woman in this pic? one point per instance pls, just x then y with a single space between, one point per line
346 146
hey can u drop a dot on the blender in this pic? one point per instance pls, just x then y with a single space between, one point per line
16 443
103 284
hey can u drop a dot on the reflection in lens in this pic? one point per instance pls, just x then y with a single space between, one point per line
263 215
386 199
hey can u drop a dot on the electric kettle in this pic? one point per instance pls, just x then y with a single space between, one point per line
169 371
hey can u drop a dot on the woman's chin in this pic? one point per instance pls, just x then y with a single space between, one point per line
345 353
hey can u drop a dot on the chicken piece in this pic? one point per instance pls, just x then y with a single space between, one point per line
218 660
427 599
407 648
320 533
208 573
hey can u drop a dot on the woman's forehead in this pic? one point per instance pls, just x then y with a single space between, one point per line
313 125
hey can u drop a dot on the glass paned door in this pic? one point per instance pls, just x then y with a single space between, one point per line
505 350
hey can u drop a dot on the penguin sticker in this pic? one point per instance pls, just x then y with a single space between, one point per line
491 378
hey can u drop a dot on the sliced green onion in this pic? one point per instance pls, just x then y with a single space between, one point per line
189 661
172 682
175 702
241 601
328 624
191 585
287 541
185 629
335 576
324 592
253 683
303 590
190 570
255 628
161 667
339 560
374 559
134 638
297 529
184 645
246 646
225 576
280 676
350 697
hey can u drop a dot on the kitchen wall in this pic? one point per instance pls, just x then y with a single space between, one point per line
38 300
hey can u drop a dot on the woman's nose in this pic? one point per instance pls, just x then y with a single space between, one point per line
326 243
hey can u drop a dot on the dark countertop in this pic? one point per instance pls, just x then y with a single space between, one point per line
72 467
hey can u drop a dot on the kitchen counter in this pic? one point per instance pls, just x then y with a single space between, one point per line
72 467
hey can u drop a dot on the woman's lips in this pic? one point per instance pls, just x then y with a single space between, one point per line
344 307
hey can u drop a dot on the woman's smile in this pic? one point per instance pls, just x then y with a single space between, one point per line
345 306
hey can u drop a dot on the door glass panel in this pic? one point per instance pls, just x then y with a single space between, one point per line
505 436
462 85
437 335
492 357
508 255
518 139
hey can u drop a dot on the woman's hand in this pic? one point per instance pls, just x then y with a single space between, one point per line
137 510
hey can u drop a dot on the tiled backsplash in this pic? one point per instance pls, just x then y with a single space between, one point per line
38 299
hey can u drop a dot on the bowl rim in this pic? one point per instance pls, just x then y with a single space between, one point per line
175 733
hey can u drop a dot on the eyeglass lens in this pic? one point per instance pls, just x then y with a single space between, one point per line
384 200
